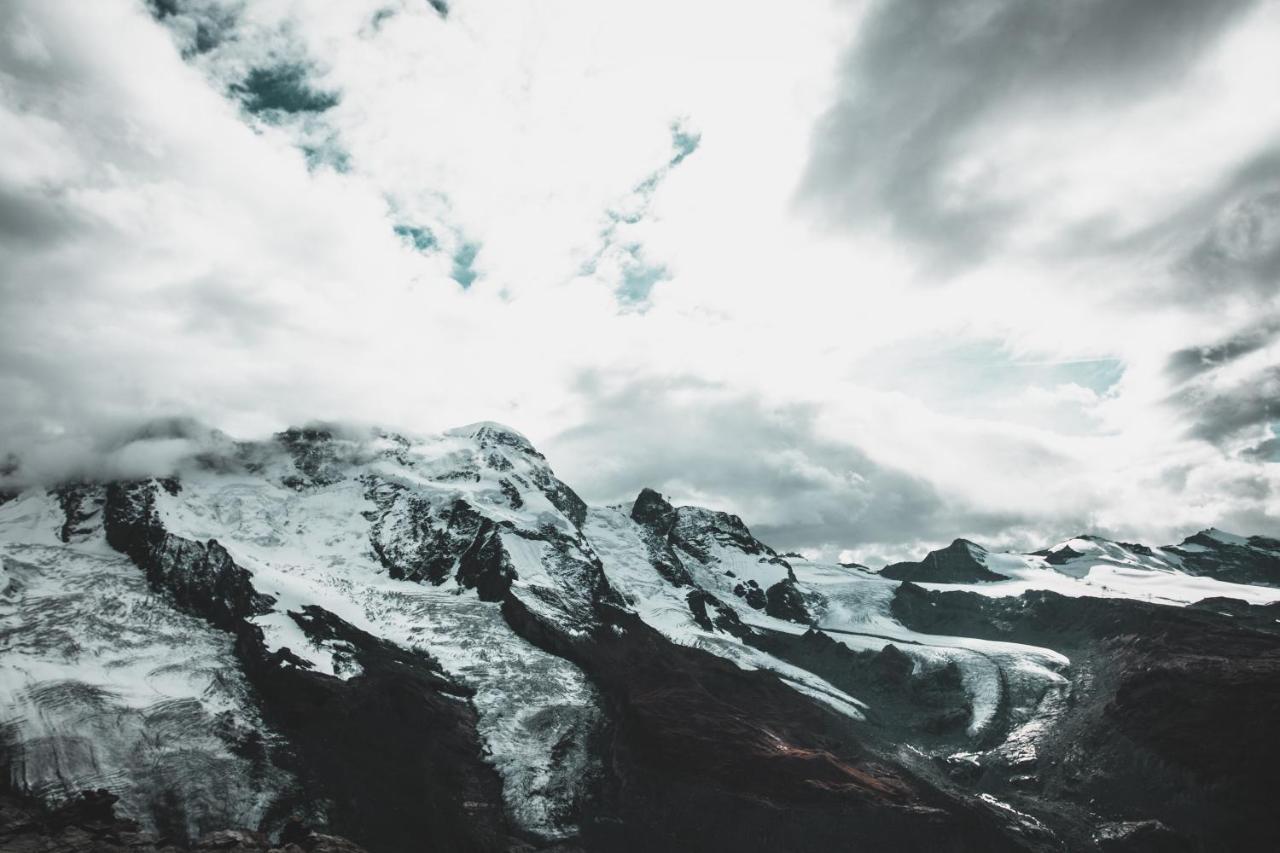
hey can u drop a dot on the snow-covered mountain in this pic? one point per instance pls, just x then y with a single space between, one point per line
434 643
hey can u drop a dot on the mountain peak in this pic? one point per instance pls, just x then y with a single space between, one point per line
491 433
960 562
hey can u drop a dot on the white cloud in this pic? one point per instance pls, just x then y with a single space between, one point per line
163 251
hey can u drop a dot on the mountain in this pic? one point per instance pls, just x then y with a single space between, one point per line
960 562
361 638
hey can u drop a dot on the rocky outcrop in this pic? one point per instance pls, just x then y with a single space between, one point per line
1141 836
750 592
1238 559
1171 715
418 539
713 614
784 601
960 562
314 453
485 566
924 706
706 756
391 756
696 529
653 512
199 577
82 510
1060 556
657 518
88 824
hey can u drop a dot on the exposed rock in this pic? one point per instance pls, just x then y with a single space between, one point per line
706 756
652 511
314 455
484 566
903 701
959 562
784 601
200 578
391 755
657 519
696 529
88 824
1146 836
1238 559
418 539
82 508
1174 719
1060 556
751 593
703 605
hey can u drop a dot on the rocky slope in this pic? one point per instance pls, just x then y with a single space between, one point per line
435 644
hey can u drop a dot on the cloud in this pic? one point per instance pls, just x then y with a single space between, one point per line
962 124
1226 391
770 463
1012 321
1190 362
1240 246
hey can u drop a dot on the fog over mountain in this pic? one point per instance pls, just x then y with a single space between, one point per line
872 274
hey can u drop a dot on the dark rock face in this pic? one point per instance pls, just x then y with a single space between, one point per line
89 824
695 530
706 756
1144 836
925 706
82 509
1172 712
752 594
784 601
1065 554
485 566
200 578
314 455
416 539
712 614
651 510
1256 560
959 562
561 496
391 755
657 519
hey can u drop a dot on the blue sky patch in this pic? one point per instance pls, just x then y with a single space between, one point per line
282 88
684 141
463 259
420 238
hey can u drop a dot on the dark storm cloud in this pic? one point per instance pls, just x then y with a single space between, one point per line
1193 361
793 486
1219 414
922 74
1218 405
284 88
199 25
1240 244
31 218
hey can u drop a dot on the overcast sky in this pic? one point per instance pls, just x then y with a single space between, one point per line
871 275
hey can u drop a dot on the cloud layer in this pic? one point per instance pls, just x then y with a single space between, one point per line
872 275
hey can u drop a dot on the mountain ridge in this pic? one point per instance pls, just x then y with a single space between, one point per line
606 679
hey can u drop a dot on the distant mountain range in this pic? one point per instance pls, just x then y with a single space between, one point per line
372 641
